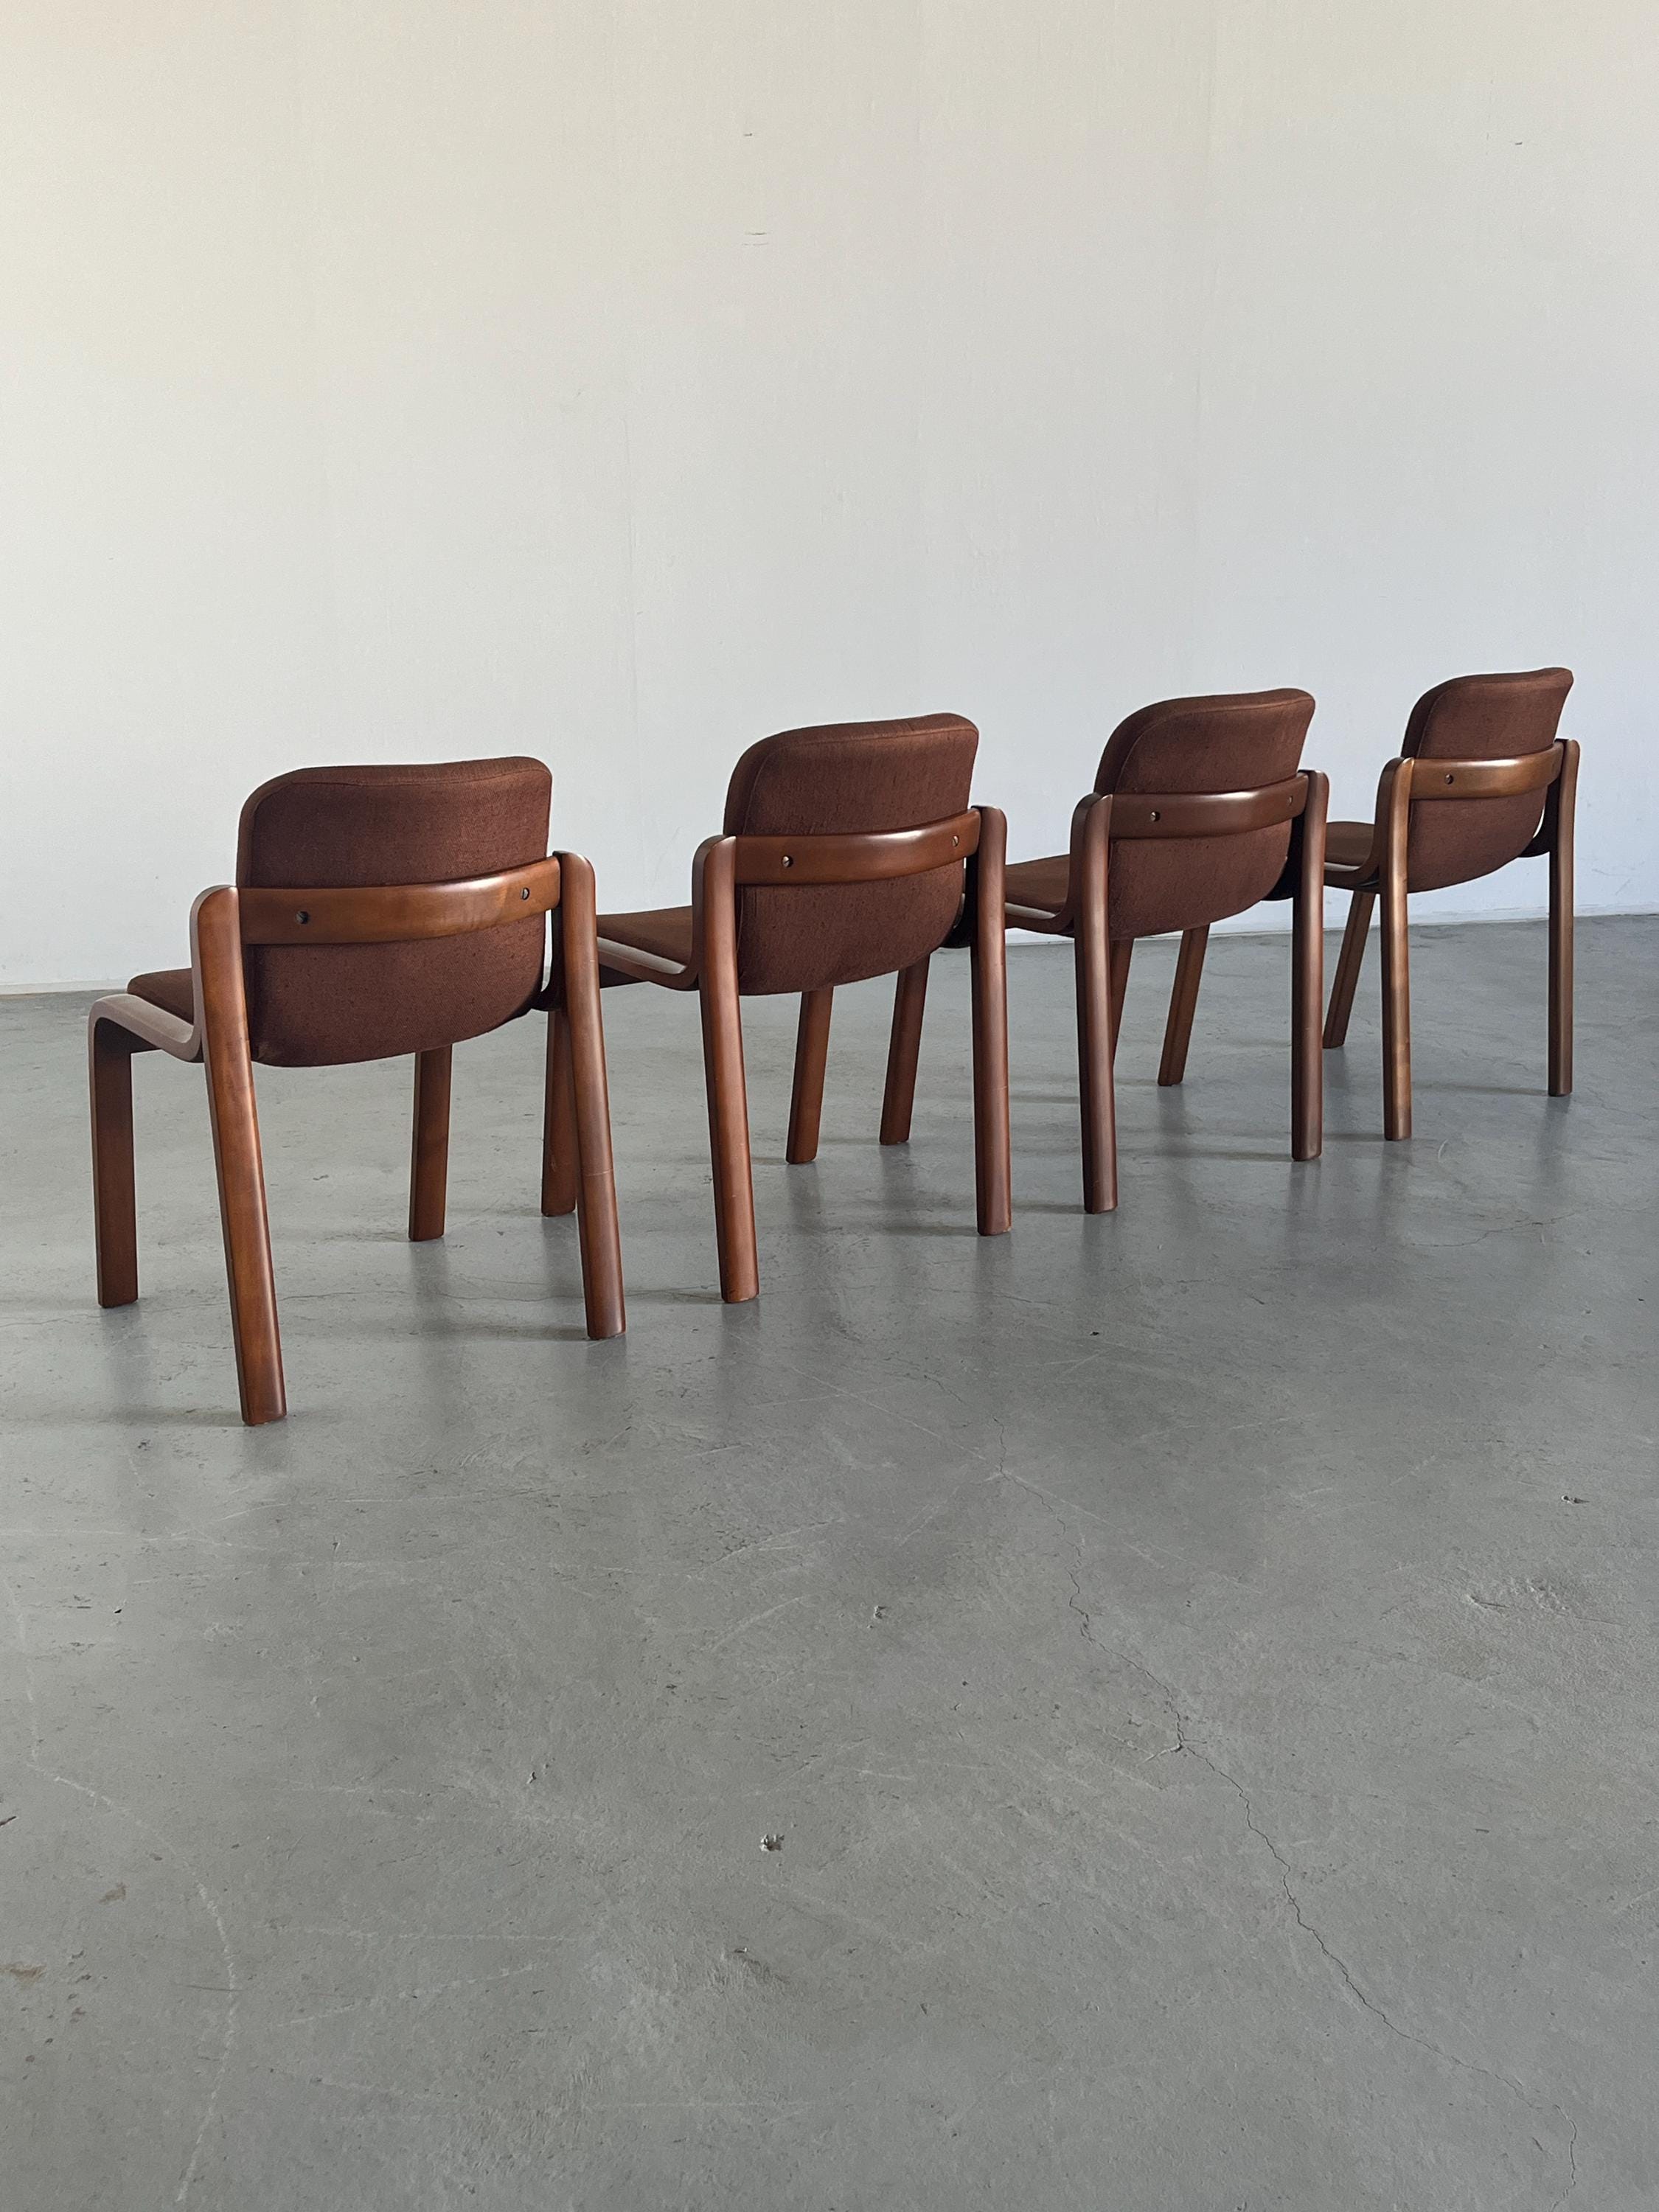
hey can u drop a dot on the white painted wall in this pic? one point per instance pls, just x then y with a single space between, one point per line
619 380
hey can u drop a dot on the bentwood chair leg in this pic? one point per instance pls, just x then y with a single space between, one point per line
1308 974
728 1091
114 1208
1397 1001
812 1051
1349 963
988 982
1561 809
429 1166
1091 956
558 1119
1183 1004
1123 951
234 1116
903 1052
590 1103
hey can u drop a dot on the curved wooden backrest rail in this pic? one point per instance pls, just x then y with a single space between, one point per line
395 914
1206 813
1432 778
873 856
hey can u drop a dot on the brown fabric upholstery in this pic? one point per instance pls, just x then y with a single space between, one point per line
1478 718
1234 741
664 930
1039 883
317 1005
172 990
1348 844
849 776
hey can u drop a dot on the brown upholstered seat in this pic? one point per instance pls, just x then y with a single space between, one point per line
874 819
377 911
1347 844
1039 884
171 988
1482 778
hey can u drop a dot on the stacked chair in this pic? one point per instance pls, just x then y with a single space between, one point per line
380 913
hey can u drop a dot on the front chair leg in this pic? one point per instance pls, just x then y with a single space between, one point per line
1350 960
988 982
114 1207
811 1053
1183 1004
903 1052
429 1167
589 1100
233 1113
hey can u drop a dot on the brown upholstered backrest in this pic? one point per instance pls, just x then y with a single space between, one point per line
315 1005
849 776
1234 741
1478 718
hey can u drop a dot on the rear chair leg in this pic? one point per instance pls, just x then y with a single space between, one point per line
1396 1005
989 974
1561 892
1308 974
588 1095
234 1116
429 1167
1349 963
812 1052
114 1209
903 1052
1183 1004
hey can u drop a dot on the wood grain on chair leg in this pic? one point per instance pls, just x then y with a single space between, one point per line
989 959
1308 974
559 1171
429 1166
1183 1004
903 1052
234 1117
1091 955
728 1093
1396 975
1561 808
1350 960
590 1102
811 1053
114 1206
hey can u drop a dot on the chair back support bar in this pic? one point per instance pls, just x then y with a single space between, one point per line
1206 813
876 856
1432 778
398 914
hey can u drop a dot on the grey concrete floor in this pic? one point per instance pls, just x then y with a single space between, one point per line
1201 1663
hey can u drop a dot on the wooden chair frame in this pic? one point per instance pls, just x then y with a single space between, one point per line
1102 819
1384 874
224 921
723 866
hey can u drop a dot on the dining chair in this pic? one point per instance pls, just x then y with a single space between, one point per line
849 851
1482 779
376 912
1200 810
